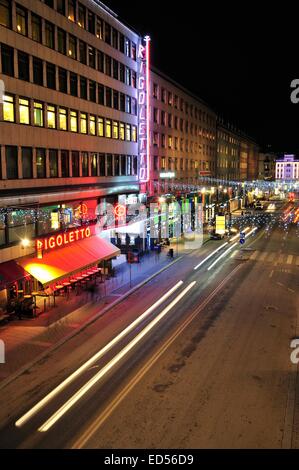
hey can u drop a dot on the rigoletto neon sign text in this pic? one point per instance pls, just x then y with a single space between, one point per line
144 109
62 239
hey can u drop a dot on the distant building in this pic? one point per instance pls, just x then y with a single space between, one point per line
267 166
287 169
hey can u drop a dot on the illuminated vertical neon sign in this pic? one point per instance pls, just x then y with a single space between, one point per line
144 109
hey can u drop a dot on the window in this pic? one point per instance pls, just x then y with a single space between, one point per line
121 131
38 114
94 164
23 65
108 128
123 165
82 16
122 72
101 59
82 52
91 22
51 117
72 47
108 65
53 163
91 57
83 88
41 163
115 99
155 91
133 79
128 104
11 153
65 167
133 51
114 38
128 76
129 167
127 47
156 113
74 121
99 30
128 132
8 108
51 76
5 13
62 119
115 69
7 59
62 79
102 164
107 33
83 123
38 78
85 171
121 43
134 134
61 6
115 130
61 36
21 20
36 26
24 111
50 42
163 96
122 102
116 165
101 94
72 10
27 162
134 106
108 97
92 91
75 164
73 84
92 125
101 127
109 164
50 3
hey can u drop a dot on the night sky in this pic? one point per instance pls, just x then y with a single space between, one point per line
242 64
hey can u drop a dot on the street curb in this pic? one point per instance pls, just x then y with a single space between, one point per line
91 320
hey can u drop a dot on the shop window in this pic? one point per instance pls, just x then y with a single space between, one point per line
21 20
101 132
8 108
83 123
11 154
115 130
75 164
121 131
27 162
50 36
62 80
41 163
61 36
21 224
5 13
24 111
65 167
23 66
48 220
36 26
7 59
74 121
108 132
51 76
92 125
94 164
38 114
85 170
38 71
53 162
62 119
51 117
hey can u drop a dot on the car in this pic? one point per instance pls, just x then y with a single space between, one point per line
216 236
258 206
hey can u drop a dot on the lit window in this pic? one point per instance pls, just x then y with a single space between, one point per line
108 128
92 125
101 127
51 117
8 108
134 134
121 131
128 132
21 20
38 114
74 121
62 119
24 111
83 123
115 130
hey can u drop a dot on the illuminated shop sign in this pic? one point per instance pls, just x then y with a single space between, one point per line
62 239
168 175
143 110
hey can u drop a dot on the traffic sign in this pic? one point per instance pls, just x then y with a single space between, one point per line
242 241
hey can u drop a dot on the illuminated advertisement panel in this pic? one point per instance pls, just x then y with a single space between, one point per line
143 110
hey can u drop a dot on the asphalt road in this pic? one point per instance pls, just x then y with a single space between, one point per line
207 366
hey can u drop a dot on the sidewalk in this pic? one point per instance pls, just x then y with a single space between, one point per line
26 339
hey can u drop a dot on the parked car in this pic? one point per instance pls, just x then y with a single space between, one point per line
258 206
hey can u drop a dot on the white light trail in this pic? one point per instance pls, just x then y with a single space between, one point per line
20 422
210 256
222 256
238 235
83 390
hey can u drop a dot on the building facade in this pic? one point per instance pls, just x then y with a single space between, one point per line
287 168
267 166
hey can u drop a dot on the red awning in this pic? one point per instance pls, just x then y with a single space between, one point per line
62 263
11 272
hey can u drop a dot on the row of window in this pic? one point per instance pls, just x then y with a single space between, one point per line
86 19
69 45
57 78
72 164
159 93
182 164
159 140
39 114
167 119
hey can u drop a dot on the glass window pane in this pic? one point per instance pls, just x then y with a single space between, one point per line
27 162
24 111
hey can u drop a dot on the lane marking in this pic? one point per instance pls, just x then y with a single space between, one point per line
84 438
210 256
222 256
21 421
271 273
290 259
83 390
254 255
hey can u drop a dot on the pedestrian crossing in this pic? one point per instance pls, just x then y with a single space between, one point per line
273 257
